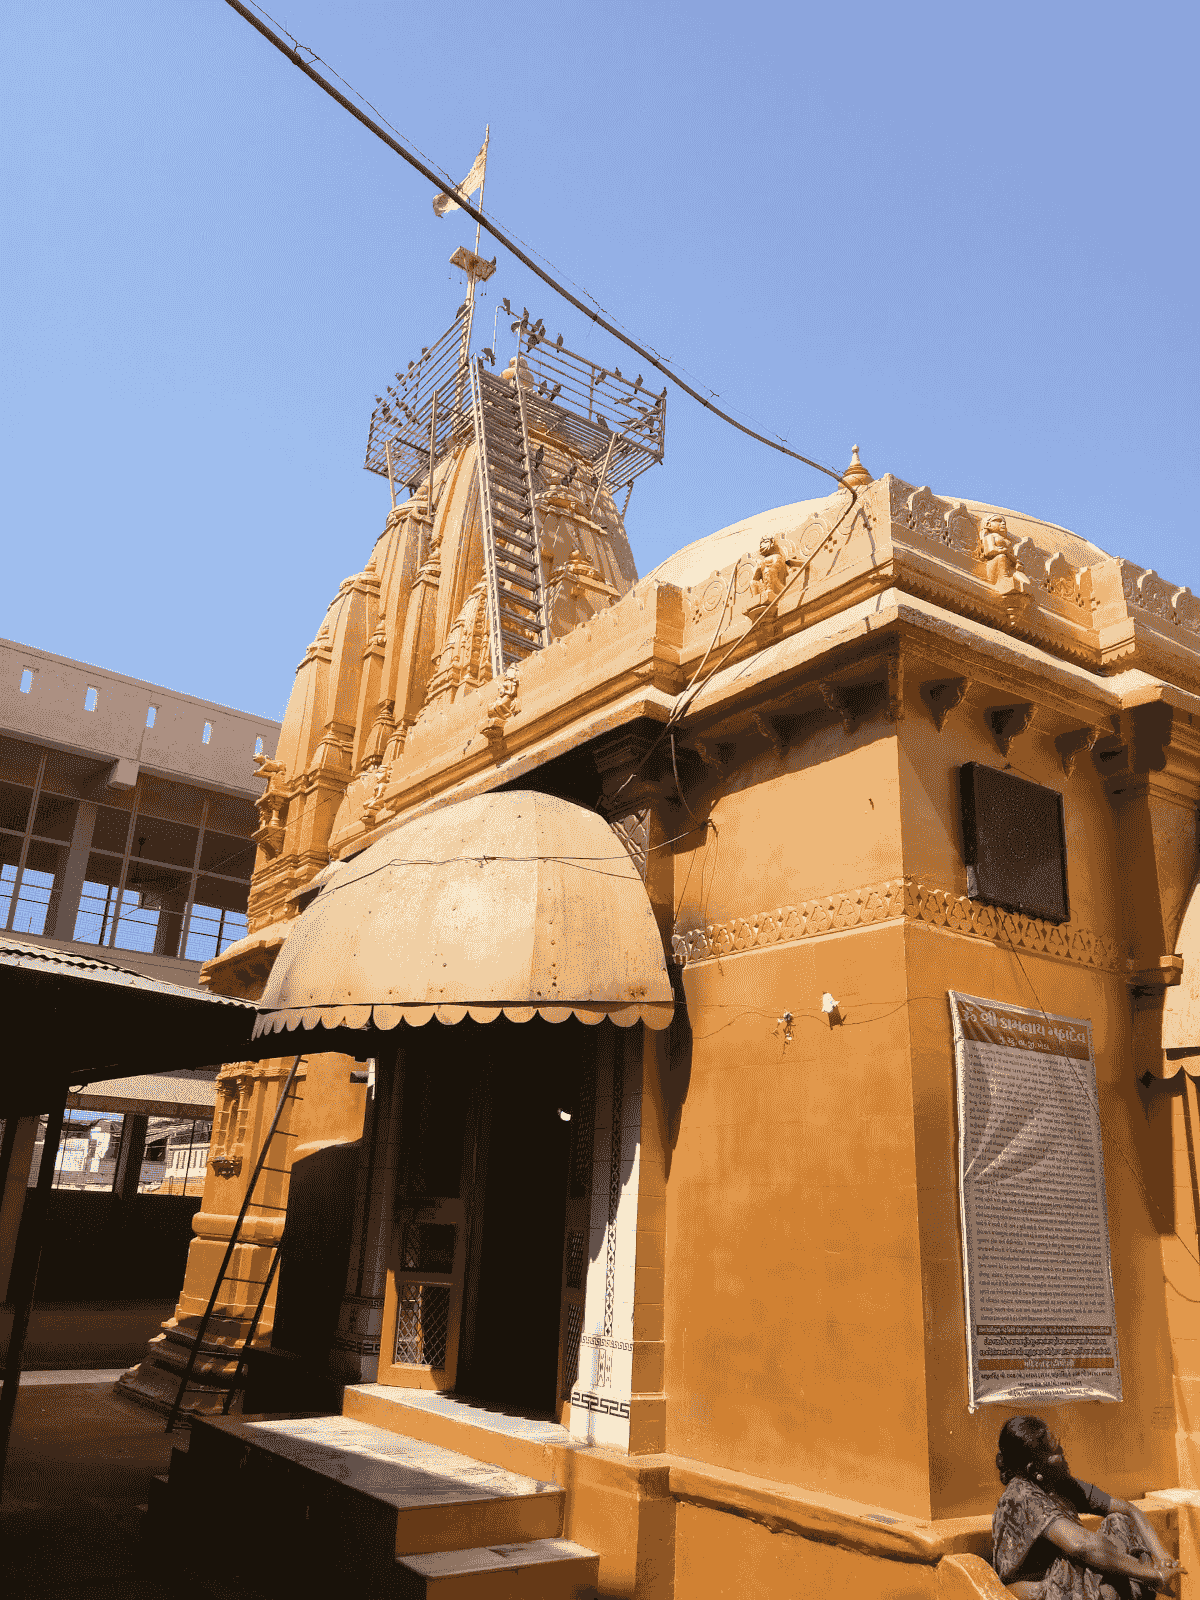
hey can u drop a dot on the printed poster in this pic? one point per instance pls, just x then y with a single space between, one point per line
1041 1321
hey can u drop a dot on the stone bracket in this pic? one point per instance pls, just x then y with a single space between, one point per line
1071 746
1163 974
942 696
1007 723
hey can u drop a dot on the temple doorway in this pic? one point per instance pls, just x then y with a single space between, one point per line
514 1291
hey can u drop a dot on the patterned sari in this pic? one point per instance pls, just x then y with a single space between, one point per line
1021 1553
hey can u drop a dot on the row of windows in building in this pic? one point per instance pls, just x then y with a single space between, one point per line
91 699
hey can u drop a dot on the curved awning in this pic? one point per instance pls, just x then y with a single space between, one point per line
514 903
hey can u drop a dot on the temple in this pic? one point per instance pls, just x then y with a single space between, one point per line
611 922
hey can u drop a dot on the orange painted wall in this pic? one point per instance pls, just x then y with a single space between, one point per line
1129 1447
793 1308
814 1298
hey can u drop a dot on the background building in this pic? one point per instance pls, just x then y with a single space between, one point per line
126 814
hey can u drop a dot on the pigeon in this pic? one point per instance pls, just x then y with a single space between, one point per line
558 341
537 460
555 391
593 480
601 375
603 422
617 372
490 354
542 387
505 307
637 383
567 476
378 399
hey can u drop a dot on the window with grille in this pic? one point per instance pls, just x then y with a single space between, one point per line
429 1239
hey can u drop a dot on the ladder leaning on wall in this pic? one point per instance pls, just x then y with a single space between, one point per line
517 611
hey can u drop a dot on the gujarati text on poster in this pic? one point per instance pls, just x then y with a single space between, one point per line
1041 1321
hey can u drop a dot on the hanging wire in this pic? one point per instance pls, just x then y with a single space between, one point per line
443 183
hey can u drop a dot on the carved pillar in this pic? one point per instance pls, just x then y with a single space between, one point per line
638 800
1154 794
414 663
355 1354
247 1097
368 747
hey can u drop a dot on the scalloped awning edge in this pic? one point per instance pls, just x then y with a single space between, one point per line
655 1014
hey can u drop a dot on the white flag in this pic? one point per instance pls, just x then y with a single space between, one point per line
473 180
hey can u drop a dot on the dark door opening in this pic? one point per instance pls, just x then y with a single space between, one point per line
515 1299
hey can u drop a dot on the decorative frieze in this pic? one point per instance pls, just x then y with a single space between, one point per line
899 899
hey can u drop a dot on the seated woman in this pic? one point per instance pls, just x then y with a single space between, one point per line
1041 1549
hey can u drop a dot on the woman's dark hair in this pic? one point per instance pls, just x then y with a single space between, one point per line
1022 1439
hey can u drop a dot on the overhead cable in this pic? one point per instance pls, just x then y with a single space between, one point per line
441 182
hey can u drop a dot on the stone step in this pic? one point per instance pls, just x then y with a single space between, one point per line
543 1569
373 1493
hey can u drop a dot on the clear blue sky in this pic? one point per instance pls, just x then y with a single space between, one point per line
963 237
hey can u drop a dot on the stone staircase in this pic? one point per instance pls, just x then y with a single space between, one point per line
280 1505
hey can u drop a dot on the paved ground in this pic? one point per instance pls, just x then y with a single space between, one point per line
78 1466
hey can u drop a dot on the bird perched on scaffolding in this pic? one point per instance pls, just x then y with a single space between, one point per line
537 459
490 355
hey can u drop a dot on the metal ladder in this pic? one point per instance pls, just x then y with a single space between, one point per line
518 623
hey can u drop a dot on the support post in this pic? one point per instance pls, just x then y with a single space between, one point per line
131 1152
22 1300
16 1161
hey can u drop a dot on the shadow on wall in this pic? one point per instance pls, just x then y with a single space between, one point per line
98 1247
316 1252
677 1062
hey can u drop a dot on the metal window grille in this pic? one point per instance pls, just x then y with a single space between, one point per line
422 1324
571 1347
575 1259
584 1125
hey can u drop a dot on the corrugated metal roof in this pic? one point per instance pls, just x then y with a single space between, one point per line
16 953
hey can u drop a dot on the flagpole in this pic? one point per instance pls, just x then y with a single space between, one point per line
470 317
487 134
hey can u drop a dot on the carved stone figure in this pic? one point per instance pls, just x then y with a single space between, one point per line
1001 563
770 576
503 706
270 804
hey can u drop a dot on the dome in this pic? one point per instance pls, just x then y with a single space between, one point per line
513 902
700 559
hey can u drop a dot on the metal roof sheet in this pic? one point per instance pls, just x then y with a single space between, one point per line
46 957
81 1018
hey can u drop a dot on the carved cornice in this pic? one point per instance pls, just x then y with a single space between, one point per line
899 900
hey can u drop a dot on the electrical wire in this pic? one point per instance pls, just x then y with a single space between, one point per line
443 183
687 696
582 288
